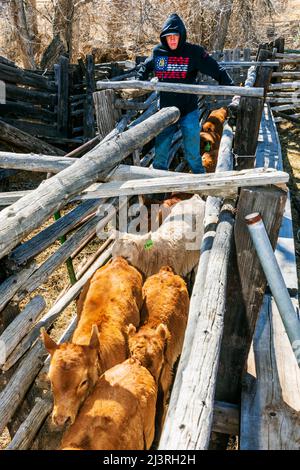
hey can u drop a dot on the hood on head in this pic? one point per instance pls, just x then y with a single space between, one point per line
175 25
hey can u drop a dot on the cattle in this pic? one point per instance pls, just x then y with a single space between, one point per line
175 243
110 302
210 138
215 121
120 412
210 160
209 141
166 301
158 210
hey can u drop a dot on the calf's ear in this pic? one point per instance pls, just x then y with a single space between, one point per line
94 339
162 331
49 343
131 330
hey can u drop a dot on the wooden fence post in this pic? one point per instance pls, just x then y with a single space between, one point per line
63 97
89 120
279 44
249 117
106 114
264 74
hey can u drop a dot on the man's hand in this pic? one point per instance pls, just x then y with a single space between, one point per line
154 80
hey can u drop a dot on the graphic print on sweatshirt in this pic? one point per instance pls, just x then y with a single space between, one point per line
171 67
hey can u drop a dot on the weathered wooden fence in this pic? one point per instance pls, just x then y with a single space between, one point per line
229 285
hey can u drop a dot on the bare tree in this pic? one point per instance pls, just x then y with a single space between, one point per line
25 30
222 20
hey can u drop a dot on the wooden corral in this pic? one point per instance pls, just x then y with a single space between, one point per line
237 374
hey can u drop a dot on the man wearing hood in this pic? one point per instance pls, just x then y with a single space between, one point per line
176 61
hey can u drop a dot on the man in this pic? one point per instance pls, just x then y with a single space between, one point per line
177 61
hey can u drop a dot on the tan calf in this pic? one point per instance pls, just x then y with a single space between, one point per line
175 243
120 412
111 302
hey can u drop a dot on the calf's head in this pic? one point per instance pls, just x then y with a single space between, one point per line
73 372
148 347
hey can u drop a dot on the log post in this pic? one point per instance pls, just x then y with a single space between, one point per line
63 97
89 120
264 74
106 113
279 44
249 117
246 287
189 426
212 211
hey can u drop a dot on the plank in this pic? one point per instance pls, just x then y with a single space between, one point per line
10 286
270 406
25 435
23 77
26 142
248 117
34 162
243 64
269 155
284 85
14 392
27 110
286 74
224 183
21 325
285 107
34 129
226 418
246 288
14 92
8 198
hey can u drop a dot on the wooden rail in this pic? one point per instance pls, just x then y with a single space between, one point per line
182 88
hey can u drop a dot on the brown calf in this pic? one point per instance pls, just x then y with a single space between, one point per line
210 160
215 121
120 412
166 301
111 302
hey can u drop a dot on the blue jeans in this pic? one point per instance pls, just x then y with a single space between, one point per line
189 125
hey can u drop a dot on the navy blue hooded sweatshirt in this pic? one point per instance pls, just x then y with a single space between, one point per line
180 66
